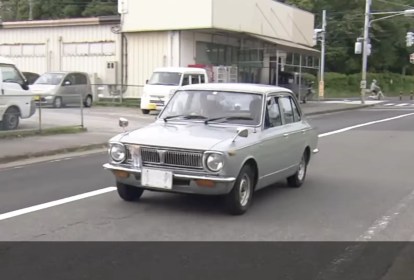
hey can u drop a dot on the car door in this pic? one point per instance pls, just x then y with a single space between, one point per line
82 87
68 90
272 155
294 130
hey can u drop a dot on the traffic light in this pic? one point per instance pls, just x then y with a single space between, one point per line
410 39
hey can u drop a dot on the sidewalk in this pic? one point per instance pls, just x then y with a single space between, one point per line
97 137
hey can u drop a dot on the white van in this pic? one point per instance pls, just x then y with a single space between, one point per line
16 100
163 83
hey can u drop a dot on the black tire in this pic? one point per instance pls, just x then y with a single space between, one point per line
145 111
129 193
297 179
88 101
57 102
11 119
236 203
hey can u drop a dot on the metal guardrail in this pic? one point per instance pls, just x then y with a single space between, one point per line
38 112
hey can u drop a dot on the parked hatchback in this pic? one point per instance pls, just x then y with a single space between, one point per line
216 139
62 88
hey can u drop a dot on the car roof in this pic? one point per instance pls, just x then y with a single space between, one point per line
181 70
238 87
65 72
5 60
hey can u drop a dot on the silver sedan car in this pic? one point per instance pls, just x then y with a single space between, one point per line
216 139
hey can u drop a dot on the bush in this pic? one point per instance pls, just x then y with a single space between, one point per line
337 84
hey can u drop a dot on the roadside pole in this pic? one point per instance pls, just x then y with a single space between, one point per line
321 94
363 84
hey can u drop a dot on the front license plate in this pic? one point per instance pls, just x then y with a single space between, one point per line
157 179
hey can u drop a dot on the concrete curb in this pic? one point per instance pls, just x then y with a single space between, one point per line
80 148
338 110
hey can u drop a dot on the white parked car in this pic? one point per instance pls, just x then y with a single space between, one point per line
164 82
16 100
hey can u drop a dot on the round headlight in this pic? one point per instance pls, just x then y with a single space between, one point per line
117 152
215 162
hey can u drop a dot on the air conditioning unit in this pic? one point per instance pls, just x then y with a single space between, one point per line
111 74
225 74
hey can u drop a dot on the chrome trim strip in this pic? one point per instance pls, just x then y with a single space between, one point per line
179 176
281 170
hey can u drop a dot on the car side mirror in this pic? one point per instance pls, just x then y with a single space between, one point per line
146 81
123 122
25 85
67 83
241 132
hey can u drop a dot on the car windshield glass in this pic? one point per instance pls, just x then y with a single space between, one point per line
50 79
215 106
165 79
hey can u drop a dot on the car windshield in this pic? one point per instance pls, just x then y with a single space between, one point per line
49 79
215 106
165 79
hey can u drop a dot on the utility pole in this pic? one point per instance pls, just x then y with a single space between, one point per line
322 66
363 85
30 9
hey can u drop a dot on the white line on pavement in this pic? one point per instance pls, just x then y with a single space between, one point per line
402 105
110 189
389 104
54 203
364 124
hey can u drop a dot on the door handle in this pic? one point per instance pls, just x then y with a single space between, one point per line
286 135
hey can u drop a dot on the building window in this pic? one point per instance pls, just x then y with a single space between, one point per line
89 49
23 50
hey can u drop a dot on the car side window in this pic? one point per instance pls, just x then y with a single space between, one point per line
71 79
186 80
272 117
195 79
287 109
11 75
202 79
296 115
80 79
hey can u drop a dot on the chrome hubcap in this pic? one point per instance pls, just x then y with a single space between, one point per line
88 101
302 168
244 190
13 121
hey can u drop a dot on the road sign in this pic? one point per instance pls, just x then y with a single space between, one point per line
412 58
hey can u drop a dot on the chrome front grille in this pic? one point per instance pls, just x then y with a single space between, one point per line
151 156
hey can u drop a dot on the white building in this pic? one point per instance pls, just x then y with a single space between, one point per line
262 38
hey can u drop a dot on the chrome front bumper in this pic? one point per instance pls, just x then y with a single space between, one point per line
183 183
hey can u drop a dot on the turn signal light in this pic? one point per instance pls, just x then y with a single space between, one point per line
121 174
205 183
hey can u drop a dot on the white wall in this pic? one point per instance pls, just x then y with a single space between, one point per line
145 15
264 17
146 51
261 17
51 51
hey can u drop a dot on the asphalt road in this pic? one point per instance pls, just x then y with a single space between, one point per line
359 188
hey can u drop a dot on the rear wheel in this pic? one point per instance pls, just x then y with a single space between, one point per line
57 103
11 119
88 101
240 198
297 179
145 111
129 193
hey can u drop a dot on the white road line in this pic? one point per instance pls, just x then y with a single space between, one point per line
389 104
110 189
364 124
54 203
402 105
353 250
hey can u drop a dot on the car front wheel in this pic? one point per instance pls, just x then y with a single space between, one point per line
129 193
145 111
240 198
11 119
297 179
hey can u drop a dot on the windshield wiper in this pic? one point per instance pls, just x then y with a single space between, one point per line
188 117
229 119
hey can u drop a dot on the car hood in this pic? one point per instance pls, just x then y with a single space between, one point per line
196 136
39 88
158 89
